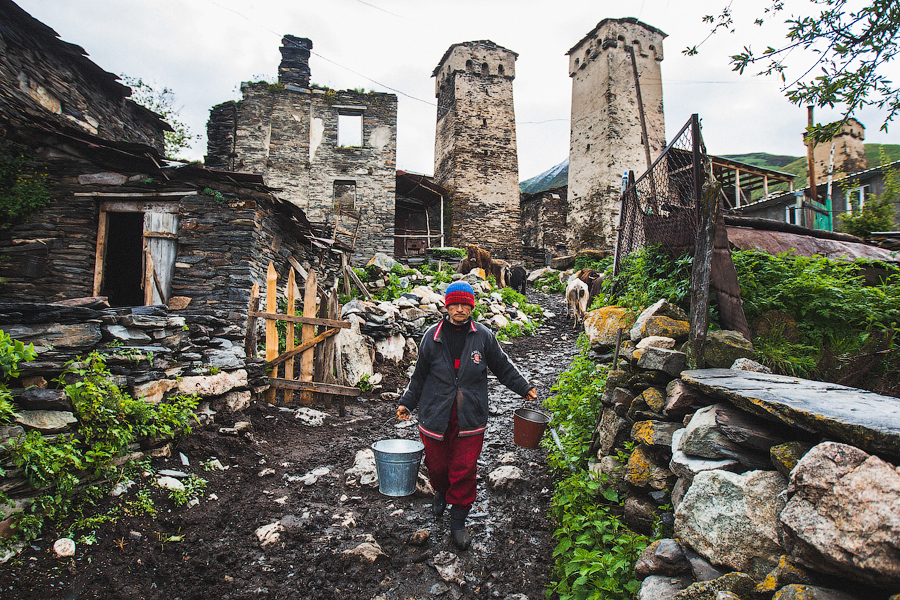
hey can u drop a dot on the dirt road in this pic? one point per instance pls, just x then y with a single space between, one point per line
287 478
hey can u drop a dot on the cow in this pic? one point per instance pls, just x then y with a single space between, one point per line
518 279
593 279
479 258
500 271
576 299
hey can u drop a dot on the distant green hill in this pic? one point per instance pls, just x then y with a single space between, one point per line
796 165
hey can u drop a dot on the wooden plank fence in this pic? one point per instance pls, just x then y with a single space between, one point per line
320 372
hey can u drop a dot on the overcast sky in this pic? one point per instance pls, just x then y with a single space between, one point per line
203 49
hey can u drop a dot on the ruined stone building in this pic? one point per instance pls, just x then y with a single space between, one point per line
331 153
606 133
849 152
544 216
475 146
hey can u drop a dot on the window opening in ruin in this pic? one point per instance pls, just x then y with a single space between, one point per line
350 134
484 69
469 66
136 249
500 70
345 195
621 38
484 122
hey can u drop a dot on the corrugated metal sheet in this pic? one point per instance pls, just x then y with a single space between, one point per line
776 242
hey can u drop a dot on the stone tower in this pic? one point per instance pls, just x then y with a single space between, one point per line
606 138
475 146
849 152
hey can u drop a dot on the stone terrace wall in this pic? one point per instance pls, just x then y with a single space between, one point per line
44 76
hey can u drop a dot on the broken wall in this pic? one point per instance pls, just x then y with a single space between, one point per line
544 220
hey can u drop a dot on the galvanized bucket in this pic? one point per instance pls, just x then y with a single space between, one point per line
397 463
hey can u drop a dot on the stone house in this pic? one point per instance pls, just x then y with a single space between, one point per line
330 153
544 217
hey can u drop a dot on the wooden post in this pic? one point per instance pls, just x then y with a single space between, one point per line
319 359
250 338
344 267
291 296
307 333
334 312
810 156
271 331
100 255
700 275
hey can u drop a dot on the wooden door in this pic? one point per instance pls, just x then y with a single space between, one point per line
160 249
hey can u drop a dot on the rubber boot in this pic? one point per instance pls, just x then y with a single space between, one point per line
458 532
439 504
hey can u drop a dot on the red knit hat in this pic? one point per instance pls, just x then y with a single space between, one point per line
459 292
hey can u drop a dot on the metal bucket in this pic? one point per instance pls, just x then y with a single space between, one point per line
397 463
528 427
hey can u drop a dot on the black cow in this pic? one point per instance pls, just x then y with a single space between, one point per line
518 279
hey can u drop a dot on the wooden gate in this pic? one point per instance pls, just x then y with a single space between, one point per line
319 370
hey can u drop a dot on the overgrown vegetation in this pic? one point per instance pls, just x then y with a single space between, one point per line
109 420
23 187
595 552
877 213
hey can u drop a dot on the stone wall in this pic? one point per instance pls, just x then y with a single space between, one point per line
849 152
289 133
757 482
606 139
544 220
50 79
475 147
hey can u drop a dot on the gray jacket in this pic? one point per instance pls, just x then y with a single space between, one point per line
435 385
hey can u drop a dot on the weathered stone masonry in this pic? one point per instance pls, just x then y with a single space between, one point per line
289 132
475 146
606 138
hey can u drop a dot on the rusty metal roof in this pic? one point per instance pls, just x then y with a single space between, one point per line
776 242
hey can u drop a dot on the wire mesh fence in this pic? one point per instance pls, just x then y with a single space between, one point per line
662 206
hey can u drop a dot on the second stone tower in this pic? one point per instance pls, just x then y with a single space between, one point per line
475 146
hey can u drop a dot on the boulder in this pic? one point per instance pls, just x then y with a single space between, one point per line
660 326
662 557
739 584
680 398
659 587
212 385
657 341
391 348
382 262
77 335
47 422
797 591
353 350
731 519
654 433
687 467
641 471
669 362
602 325
611 430
842 517
786 573
153 391
661 308
640 514
505 477
702 438
724 347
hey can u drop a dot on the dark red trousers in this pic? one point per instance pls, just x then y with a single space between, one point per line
453 463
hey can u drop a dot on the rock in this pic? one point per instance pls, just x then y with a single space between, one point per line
656 341
64 548
745 364
46 421
864 419
363 470
687 467
842 516
447 566
740 584
641 471
235 401
439 589
658 587
680 399
655 399
391 348
669 362
369 551
797 591
660 326
748 431
212 385
786 456
786 573
505 478
269 534
662 557
170 483
602 325
179 302
703 438
354 354
702 569
640 514
9 432
56 335
311 417
382 261
126 334
225 358
724 347
612 429
654 433
679 490
732 519
153 391
660 308
420 537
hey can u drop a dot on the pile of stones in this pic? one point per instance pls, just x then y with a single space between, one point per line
769 486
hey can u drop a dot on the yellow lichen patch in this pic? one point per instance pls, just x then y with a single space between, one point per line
665 327
641 471
655 399
602 325
642 432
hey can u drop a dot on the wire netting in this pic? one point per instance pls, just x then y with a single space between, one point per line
662 206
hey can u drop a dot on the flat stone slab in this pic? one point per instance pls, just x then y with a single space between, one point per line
864 419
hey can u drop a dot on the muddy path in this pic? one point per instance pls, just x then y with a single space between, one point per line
289 477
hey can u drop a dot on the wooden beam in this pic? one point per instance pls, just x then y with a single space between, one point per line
291 296
273 316
100 255
250 338
313 386
349 271
307 358
302 347
135 194
271 331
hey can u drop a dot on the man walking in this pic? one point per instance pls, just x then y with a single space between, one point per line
449 386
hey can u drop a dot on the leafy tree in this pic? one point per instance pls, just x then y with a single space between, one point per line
162 102
852 49
877 214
